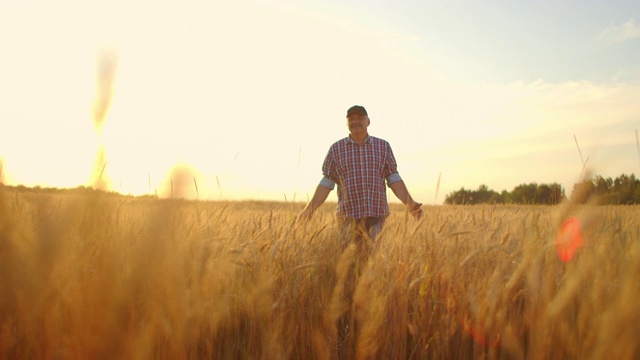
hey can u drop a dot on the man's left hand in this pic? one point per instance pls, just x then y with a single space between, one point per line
415 209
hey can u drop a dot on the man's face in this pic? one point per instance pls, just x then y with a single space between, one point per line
357 123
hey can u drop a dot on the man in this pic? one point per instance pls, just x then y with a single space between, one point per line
360 164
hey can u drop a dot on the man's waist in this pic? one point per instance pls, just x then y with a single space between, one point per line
354 214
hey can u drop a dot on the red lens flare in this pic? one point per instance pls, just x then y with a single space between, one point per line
480 337
569 239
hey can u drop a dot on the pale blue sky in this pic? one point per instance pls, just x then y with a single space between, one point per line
253 93
508 41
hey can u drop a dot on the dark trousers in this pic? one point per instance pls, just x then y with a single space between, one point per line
359 228
362 233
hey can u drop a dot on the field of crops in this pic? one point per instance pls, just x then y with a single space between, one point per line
97 276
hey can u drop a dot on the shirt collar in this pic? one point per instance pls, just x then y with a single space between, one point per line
366 140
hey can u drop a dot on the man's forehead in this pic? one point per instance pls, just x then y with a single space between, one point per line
356 115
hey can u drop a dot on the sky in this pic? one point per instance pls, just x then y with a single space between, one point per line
242 99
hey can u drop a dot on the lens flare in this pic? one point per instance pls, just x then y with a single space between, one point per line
480 337
105 78
99 179
568 239
181 182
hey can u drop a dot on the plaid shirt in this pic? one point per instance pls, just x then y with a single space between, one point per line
360 171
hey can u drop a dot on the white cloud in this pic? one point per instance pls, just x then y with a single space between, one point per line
619 33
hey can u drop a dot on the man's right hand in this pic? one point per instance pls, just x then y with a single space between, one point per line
306 214
319 197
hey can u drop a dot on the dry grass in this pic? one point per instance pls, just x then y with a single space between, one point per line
108 277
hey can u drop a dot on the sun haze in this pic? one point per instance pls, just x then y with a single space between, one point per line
248 96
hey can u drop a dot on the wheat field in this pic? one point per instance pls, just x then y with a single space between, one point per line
97 276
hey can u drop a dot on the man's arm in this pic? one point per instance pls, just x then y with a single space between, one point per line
319 197
402 193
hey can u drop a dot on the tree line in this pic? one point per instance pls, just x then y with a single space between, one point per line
623 190
548 194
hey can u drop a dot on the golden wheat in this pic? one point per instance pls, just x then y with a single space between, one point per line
97 276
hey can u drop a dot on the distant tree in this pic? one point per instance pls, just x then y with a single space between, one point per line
543 194
484 196
548 194
459 197
505 196
624 187
623 190
602 186
496 198
524 194
557 194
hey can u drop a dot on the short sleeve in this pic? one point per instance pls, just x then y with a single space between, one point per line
390 166
328 183
328 167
